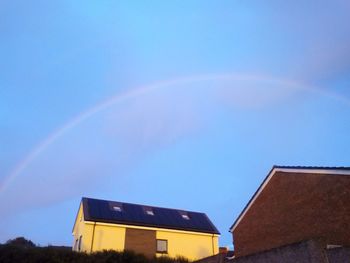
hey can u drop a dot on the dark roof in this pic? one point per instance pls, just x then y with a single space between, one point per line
133 214
340 168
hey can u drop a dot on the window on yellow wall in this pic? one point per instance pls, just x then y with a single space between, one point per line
162 246
79 244
75 245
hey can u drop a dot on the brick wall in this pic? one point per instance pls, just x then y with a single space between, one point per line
309 251
295 207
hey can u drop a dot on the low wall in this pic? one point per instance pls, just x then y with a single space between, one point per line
338 255
304 252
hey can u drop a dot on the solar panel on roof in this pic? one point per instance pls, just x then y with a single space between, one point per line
133 214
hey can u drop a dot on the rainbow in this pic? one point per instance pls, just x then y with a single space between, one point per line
139 91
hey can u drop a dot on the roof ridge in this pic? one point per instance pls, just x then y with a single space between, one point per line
275 169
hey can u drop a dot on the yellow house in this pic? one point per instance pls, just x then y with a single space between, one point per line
153 231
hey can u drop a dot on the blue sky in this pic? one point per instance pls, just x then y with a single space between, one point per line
197 100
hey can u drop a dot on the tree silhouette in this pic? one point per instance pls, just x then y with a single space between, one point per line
20 242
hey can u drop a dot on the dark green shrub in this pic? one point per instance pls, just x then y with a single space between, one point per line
10 253
20 242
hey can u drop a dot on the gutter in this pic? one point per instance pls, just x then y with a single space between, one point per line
212 243
93 236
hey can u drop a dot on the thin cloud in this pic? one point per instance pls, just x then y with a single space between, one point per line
114 141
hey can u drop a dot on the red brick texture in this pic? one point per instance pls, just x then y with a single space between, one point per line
294 207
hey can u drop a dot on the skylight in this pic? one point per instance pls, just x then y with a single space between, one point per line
185 217
149 212
117 208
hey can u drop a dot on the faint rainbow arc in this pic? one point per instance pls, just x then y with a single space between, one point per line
138 92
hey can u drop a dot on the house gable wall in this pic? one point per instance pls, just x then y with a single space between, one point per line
294 207
82 233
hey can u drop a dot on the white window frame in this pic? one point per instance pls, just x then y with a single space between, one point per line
166 246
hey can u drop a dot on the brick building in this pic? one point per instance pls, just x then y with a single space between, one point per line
294 204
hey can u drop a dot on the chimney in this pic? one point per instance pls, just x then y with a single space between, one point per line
223 250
